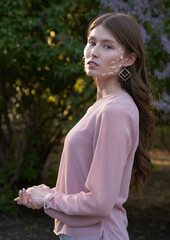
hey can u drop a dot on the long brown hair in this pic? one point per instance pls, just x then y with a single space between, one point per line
127 31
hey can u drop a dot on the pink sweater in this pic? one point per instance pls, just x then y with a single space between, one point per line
95 172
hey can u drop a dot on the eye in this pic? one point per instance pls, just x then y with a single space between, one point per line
92 43
107 47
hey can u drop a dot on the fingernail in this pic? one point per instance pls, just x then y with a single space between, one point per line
23 189
29 194
20 191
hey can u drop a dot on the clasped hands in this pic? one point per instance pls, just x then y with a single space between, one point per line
33 197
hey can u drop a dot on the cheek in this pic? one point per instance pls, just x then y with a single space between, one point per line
112 60
86 57
86 51
113 64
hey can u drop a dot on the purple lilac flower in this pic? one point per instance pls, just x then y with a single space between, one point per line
148 15
139 8
142 10
157 21
165 74
146 37
117 6
166 43
163 104
166 97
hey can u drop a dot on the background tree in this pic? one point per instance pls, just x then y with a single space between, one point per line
41 86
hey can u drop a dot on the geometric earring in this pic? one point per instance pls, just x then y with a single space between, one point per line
125 74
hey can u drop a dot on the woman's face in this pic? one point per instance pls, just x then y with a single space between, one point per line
104 55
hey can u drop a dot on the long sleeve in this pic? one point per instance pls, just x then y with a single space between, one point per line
112 142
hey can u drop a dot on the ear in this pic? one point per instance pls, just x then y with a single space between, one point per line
128 61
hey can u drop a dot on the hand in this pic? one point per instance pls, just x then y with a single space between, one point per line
38 193
26 199
33 197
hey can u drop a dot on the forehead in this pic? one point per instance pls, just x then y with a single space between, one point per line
101 33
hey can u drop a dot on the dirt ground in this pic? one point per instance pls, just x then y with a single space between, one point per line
149 215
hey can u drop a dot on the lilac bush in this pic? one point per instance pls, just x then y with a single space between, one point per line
152 16
166 43
165 74
164 106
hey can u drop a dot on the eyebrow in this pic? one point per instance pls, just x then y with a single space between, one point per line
103 40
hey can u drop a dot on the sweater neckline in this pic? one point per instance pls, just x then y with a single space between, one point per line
113 94
110 96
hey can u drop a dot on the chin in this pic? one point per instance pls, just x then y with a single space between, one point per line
91 73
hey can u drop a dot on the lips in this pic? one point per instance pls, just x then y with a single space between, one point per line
92 63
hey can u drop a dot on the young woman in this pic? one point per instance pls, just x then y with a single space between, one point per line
107 143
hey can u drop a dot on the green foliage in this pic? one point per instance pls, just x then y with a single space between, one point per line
7 203
41 49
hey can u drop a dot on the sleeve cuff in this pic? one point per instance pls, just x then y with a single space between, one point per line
47 200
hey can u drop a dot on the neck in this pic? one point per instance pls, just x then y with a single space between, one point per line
106 87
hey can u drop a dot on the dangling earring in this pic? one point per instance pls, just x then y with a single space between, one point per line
125 74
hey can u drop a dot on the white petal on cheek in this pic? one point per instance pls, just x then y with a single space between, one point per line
120 50
115 66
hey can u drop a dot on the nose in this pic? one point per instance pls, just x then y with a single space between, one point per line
95 51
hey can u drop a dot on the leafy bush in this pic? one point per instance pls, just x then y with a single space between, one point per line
41 64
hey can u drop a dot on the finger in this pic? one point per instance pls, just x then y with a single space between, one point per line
41 185
20 199
23 197
29 200
32 203
16 199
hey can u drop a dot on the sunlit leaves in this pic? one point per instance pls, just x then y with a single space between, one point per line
44 90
